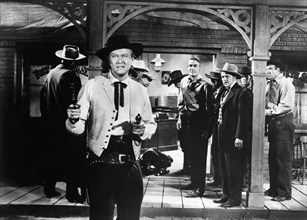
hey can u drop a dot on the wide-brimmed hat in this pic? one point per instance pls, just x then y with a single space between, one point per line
214 74
118 42
70 52
231 69
245 71
140 64
176 77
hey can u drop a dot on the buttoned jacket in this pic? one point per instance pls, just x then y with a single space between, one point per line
236 117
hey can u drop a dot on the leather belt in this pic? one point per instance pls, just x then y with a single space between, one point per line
121 139
113 158
281 115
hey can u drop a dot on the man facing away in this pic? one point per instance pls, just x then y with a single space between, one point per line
196 100
109 107
65 152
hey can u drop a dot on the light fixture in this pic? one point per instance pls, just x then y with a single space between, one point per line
158 62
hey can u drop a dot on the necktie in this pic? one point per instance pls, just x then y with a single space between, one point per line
119 95
225 92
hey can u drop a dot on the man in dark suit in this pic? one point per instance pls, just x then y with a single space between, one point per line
234 110
247 84
215 77
184 139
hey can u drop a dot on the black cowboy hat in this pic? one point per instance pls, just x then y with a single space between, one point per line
175 76
117 42
245 71
276 62
231 69
69 52
215 74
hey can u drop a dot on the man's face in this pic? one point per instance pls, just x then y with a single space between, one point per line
227 79
245 81
145 81
193 68
120 61
272 71
177 85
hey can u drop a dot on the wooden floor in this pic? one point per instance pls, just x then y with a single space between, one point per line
162 197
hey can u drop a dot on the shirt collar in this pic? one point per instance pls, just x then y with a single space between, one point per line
279 78
231 85
113 79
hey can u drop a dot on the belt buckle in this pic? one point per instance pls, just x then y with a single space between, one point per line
120 158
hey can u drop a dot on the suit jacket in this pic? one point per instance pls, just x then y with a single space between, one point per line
55 97
236 117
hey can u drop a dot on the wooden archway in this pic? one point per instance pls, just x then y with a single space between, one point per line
238 17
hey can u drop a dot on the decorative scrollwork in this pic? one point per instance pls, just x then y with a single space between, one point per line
73 10
241 17
280 19
118 12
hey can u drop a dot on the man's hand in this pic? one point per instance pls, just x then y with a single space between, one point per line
206 135
138 129
178 124
239 143
268 112
74 113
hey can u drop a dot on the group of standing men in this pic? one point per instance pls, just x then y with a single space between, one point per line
109 105
223 109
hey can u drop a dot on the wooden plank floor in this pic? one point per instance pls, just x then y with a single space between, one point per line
163 199
162 196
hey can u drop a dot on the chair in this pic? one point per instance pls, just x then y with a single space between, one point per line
299 159
304 158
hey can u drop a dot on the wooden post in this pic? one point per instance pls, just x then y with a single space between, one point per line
259 56
95 35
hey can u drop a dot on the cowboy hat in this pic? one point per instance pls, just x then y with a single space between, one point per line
175 76
245 71
140 64
70 52
117 42
215 74
231 69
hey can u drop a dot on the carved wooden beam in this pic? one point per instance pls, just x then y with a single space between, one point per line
240 17
282 19
75 11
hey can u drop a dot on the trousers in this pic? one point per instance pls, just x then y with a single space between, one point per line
280 136
119 185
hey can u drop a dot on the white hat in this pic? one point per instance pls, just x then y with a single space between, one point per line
140 64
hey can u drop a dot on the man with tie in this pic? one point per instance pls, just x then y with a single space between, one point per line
233 118
109 109
279 107
197 103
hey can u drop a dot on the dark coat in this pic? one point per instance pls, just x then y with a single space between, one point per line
237 118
